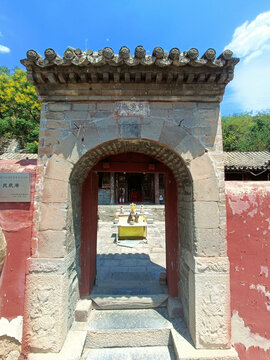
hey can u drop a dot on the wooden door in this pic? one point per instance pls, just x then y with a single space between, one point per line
88 249
171 228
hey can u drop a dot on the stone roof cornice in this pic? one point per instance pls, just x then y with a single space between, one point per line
162 75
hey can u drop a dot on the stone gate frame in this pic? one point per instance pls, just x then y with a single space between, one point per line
98 104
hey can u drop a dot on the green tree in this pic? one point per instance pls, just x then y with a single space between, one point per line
19 109
246 132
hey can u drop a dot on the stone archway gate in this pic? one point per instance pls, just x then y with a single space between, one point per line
99 103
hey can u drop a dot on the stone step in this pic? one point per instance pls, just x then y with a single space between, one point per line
127 328
135 353
112 302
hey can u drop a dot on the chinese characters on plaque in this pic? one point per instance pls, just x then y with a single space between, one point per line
15 187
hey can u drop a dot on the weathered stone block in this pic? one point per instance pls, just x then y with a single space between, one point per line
82 310
52 133
172 134
161 105
151 128
213 311
59 106
190 148
58 168
206 190
52 265
130 131
107 129
88 137
164 113
51 244
96 115
185 117
210 242
129 120
53 115
77 115
107 106
54 124
54 191
208 113
52 217
83 106
184 105
46 312
202 168
206 214
209 310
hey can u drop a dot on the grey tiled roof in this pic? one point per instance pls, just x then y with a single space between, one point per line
232 160
105 66
18 156
159 57
247 160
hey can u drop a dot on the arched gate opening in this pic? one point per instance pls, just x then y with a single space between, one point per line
178 193
88 249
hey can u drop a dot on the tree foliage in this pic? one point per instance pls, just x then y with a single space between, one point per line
246 132
19 109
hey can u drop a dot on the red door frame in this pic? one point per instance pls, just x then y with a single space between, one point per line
88 248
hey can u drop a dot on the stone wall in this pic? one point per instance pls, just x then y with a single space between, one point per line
186 137
16 220
248 243
248 249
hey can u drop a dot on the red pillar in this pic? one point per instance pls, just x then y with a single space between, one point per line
157 202
88 249
172 241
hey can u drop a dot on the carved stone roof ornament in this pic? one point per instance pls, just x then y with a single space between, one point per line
104 74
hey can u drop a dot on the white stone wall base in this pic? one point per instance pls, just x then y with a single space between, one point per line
184 350
71 350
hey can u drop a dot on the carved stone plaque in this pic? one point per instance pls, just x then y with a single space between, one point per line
15 187
132 108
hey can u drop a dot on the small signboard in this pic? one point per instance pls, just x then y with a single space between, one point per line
15 187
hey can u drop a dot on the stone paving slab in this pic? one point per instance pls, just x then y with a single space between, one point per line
127 320
130 271
132 328
108 250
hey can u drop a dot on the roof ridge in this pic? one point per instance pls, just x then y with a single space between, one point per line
159 57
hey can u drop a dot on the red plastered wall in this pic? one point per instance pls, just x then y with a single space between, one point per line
16 220
248 235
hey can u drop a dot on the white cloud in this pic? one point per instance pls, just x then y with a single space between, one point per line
4 49
251 85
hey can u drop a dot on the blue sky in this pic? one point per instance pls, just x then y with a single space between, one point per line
243 26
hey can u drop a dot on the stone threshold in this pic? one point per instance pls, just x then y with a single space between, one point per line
112 302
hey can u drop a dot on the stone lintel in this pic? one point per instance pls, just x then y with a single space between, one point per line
199 92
